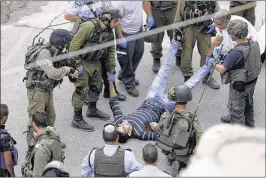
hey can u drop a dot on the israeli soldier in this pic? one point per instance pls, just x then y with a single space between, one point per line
248 14
160 13
43 75
8 152
241 69
198 32
55 169
180 130
110 160
92 32
47 148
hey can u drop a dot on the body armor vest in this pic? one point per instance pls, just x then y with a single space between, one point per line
249 68
178 135
109 166
194 9
99 36
36 78
163 5
50 140
5 144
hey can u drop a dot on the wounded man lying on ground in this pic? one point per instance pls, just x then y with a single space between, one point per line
156 103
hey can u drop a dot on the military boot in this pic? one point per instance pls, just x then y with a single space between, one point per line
226 119
80 123
211 83
175 168
93 111
156 65
133 91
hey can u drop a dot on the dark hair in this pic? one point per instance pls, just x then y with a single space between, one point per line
123 137
4 110
150 153
40 119
110 136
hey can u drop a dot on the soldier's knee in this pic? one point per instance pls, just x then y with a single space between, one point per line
79 90
97 89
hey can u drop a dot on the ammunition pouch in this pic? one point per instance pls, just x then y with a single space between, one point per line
163 5
238 79
94 55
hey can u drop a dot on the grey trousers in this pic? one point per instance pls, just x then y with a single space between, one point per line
130 61
240 105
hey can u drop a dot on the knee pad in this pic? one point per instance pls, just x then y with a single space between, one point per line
79 90
96 88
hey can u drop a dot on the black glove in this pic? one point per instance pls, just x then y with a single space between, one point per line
178 35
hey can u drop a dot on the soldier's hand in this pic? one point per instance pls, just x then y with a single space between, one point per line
111 77
211 28
74 74
150 22
123 42
80 70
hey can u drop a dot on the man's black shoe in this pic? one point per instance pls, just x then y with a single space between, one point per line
156 65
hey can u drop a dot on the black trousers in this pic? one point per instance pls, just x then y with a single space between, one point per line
105 77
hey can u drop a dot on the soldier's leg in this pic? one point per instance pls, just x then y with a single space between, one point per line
250 15
188 46
249 109
37 103
95 88
50 110
78 100
204 44
236 105
156 47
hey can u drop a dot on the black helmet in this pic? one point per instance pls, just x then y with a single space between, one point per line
55 169
60 37
180 94
183 94
110 13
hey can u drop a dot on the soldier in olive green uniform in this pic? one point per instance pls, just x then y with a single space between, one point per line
44 76
92 32
180 130
47 148
248 14
160 13
188 10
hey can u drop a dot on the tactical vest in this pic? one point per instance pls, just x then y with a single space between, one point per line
163 5
99 36
50 140
178 135
246 71
109 166
194 9
36 78
3 145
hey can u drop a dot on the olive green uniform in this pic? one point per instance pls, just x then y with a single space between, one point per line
47 148
92 69
248 14
163 13
191 35
40 93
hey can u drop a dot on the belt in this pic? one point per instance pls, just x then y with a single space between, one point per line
251 82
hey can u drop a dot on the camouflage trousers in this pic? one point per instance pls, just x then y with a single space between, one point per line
39 102
91 77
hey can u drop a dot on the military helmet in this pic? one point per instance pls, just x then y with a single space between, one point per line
237 29
109 14
60 37
55 169
180 94
151 38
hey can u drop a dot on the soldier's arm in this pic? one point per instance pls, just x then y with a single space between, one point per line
42 157
85 31
179 11
111 56
44 61
217 42
147 8
217 7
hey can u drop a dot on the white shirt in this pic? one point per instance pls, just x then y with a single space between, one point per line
131 15
149 171
227 40
261 39
130 162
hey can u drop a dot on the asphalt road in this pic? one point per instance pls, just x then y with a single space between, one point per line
15 37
